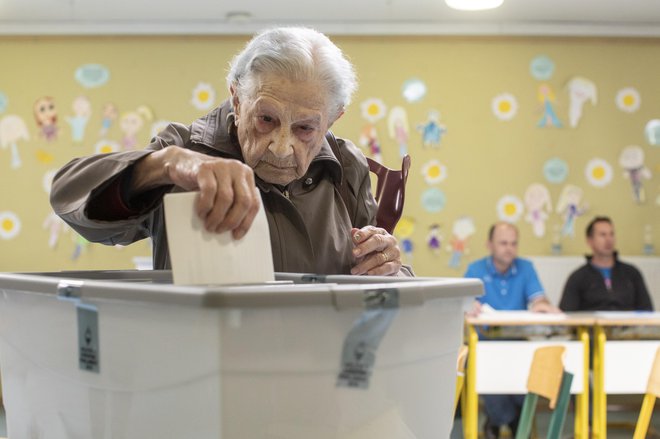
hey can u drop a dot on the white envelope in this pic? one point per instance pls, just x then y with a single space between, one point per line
199 257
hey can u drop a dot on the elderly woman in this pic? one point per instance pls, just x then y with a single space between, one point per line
288 86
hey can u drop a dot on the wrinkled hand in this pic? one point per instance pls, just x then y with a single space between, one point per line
376 252
228 198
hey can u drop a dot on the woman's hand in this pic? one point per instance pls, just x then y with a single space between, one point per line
376 252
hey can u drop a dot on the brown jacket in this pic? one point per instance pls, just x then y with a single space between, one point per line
309 229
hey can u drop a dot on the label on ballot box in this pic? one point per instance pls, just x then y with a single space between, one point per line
88 337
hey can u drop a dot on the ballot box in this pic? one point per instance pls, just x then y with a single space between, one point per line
127 354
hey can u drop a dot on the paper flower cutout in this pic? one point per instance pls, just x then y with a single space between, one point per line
203 96
509 208
434 172
373 109
628 100
598 172
105 146
504 106
10 225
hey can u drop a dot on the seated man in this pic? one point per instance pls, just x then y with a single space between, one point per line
604 282
510 283
267 142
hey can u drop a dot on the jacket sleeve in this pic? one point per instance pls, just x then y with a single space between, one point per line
88 181
570 298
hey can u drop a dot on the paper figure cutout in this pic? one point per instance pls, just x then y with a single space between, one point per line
413 90
92 75
555 170
434 239
433 200
369 140
158 126
461 231
580 91
652 132
628 100
55 226
404 230
434 172
632 161
45 113
598 172
203 96
109 115
538 205
542 68
131 123
81 245
3 102
47 180
504 106
432 131
44 156
648 249
570 206
105 146
13 130
82 109
10 225
547 98
373 109
398 128
555 246
509 208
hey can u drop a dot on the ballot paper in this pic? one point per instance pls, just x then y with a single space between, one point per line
200 257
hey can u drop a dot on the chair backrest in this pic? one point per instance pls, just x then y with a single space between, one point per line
653 386
390 192
652 392
546 372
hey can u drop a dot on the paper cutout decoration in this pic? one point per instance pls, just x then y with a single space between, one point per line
504 106
131 123
434 172
44 156
47 180
399 129
509 208
13 130
580 91
55 227
631 160
404 230
628 100
3 102
105 146
45 114
461 231
570 206
82 109
203 96
432 131
648 248
10 225
598 172
542 68
373 109
369 140
652 132
158 126
80 245
109 115
547 98
92 75
434 239
413 90
433 200
555 170
538 205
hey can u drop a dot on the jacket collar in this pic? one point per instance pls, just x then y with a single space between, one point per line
216 130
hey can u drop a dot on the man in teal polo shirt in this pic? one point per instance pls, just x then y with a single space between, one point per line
510 283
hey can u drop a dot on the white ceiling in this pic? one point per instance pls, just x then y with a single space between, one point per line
359 17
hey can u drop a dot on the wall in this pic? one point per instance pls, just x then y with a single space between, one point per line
485 158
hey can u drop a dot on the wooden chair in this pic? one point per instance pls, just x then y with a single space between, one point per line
460 374
547 378
652 392
390 192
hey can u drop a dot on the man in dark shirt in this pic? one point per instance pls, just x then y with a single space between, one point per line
604 283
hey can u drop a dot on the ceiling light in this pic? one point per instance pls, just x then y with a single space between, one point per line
473 5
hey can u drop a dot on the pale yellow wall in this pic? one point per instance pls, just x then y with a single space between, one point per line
486 158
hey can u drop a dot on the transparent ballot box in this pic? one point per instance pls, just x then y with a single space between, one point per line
127 354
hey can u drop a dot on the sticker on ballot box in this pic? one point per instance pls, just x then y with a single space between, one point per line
88 337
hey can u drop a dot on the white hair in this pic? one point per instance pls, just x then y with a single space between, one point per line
299 54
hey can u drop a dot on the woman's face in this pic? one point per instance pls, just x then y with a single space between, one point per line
281 127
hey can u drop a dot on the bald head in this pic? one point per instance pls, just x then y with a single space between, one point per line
501 225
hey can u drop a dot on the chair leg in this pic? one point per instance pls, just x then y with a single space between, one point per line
559 414
644 416
526 416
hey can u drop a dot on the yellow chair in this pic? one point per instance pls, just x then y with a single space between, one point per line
460 374
652 392
547 378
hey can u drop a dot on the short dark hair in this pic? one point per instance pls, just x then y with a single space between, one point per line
592 223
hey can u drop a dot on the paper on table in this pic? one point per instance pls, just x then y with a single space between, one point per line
200 257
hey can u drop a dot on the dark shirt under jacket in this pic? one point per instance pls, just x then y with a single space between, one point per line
585 290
